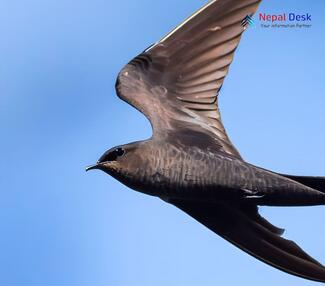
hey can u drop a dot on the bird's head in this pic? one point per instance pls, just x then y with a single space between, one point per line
119 161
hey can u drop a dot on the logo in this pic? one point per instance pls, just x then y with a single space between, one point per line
247 21
292 17
285 20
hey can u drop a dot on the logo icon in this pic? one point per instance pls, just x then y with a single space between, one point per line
247 21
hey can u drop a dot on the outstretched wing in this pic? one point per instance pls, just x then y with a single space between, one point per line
245 228
176 82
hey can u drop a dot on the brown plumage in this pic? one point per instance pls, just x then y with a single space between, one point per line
190 161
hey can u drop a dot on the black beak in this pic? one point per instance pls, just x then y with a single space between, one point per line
92 167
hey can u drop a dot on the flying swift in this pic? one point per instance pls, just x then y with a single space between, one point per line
190 161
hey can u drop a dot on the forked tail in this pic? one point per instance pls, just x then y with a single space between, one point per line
317 183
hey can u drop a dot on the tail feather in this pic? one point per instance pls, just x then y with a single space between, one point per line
317 183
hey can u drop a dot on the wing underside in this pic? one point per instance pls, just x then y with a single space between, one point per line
246 229
176 82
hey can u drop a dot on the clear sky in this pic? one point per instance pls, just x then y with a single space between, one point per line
61 226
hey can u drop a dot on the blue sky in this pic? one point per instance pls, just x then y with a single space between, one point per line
59 113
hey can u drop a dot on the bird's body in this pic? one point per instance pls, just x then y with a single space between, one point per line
172 170
189 161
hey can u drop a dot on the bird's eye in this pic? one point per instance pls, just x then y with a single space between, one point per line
112 156
119 152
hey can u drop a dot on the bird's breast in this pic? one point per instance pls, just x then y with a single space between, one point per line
175 172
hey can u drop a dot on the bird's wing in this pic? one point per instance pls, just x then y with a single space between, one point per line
176 82
246 229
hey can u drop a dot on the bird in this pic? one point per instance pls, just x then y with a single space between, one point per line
189 161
